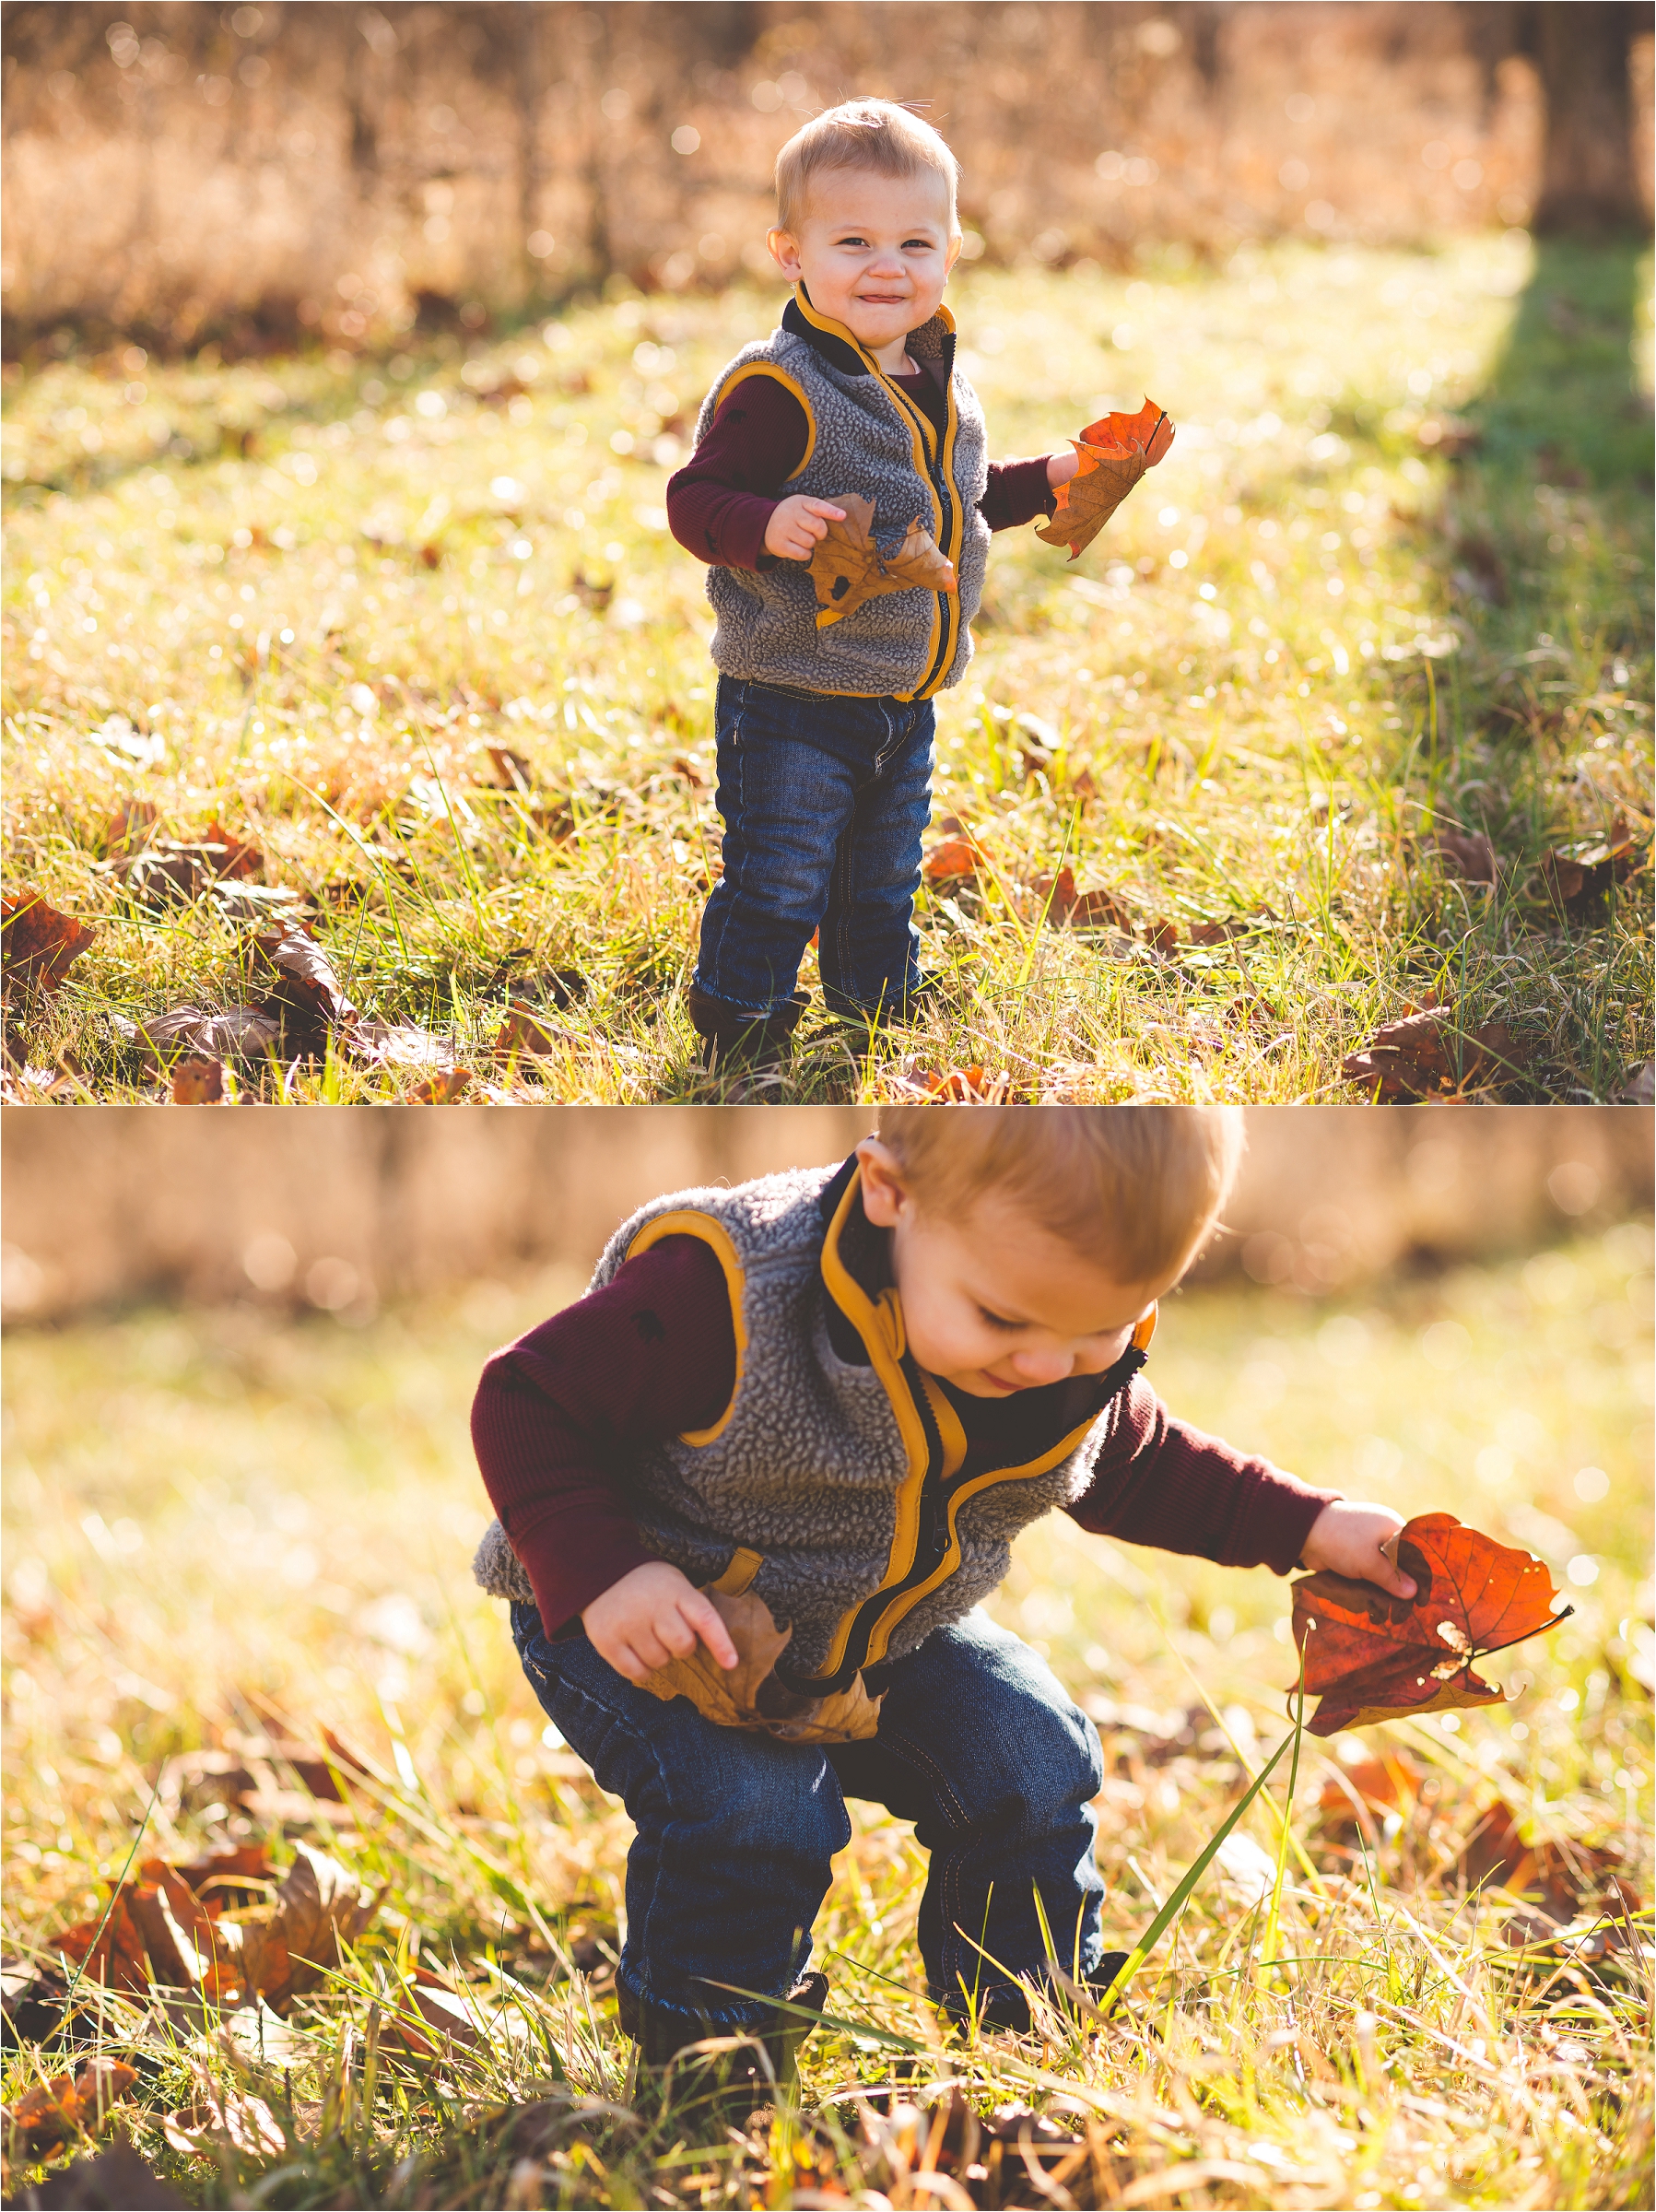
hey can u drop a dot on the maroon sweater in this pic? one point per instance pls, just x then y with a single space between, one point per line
720 502
653 1354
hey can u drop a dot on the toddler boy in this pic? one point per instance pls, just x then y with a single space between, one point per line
847 1390
825 733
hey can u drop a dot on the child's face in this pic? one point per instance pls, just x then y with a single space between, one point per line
995 1303
875 252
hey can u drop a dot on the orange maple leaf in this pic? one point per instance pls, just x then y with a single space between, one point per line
1370 1656
1115 452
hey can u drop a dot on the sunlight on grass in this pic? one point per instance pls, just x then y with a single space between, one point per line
210 1515
1392 579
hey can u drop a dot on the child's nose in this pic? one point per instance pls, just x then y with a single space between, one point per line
1043 1367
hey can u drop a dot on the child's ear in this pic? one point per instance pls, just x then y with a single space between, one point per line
783 248
883 1196
955 245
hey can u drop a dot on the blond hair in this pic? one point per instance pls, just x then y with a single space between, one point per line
1135 1189
877 135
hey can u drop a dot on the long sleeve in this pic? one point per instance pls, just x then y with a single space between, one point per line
651 1354
1160 1481
720 502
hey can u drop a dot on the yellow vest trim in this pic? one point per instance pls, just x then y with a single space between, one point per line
713 1234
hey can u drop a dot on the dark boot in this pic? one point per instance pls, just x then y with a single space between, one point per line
736 1042
727 2083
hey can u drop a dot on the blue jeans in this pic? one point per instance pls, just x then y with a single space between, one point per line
823 802
978 1744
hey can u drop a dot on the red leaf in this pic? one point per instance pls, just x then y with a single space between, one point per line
1466 853
55 2110
1370 1656
1580 884
955 858
40 945
1113 453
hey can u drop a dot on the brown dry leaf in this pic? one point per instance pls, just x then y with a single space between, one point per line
1370 1656
246 2123
1115 452
199 1081
115 2176
967 1087
952 861
307 1001
1381 1784
1563 1880
54 2111
395 1044
37 945
1162 935
847 568
1216 933
1058 895
748 1696
131 825
290 1948
1581 884
1464 853
513 772
241 1033
114 1954
527 1029
442 1089
1417 1057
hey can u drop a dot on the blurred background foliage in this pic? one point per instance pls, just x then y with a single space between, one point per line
255 175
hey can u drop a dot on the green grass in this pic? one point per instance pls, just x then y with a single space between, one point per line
207 1509
1307 641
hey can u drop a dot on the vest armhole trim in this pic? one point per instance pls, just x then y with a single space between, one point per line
790 384
717 1238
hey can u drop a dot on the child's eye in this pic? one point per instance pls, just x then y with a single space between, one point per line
917 245
998 1321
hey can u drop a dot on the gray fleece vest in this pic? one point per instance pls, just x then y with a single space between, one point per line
826 1486
865 435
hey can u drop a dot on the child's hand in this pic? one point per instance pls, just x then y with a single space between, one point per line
650 1615
1347 1539
792 532
1061 467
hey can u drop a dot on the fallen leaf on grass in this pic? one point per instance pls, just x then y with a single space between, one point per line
131 825
967 1087
1370 1656
1162 935
41 945
1381 1785
116 2180
847 568
199 1081
749 1696
54 2111
953 860
1639 1086
293 1947
1113 453
442 1089
512 771
1464 853
527 1029
240 1033
395 1044
1580 884
157 1931
307 1000
1426 1054
1563 1880
1216 933
245 2123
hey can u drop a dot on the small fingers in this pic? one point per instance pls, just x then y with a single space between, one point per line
834 514
705 1620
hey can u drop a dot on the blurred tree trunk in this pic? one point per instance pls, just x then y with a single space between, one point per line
1587 183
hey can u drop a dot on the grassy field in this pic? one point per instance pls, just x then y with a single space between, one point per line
1391 587
212 1515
